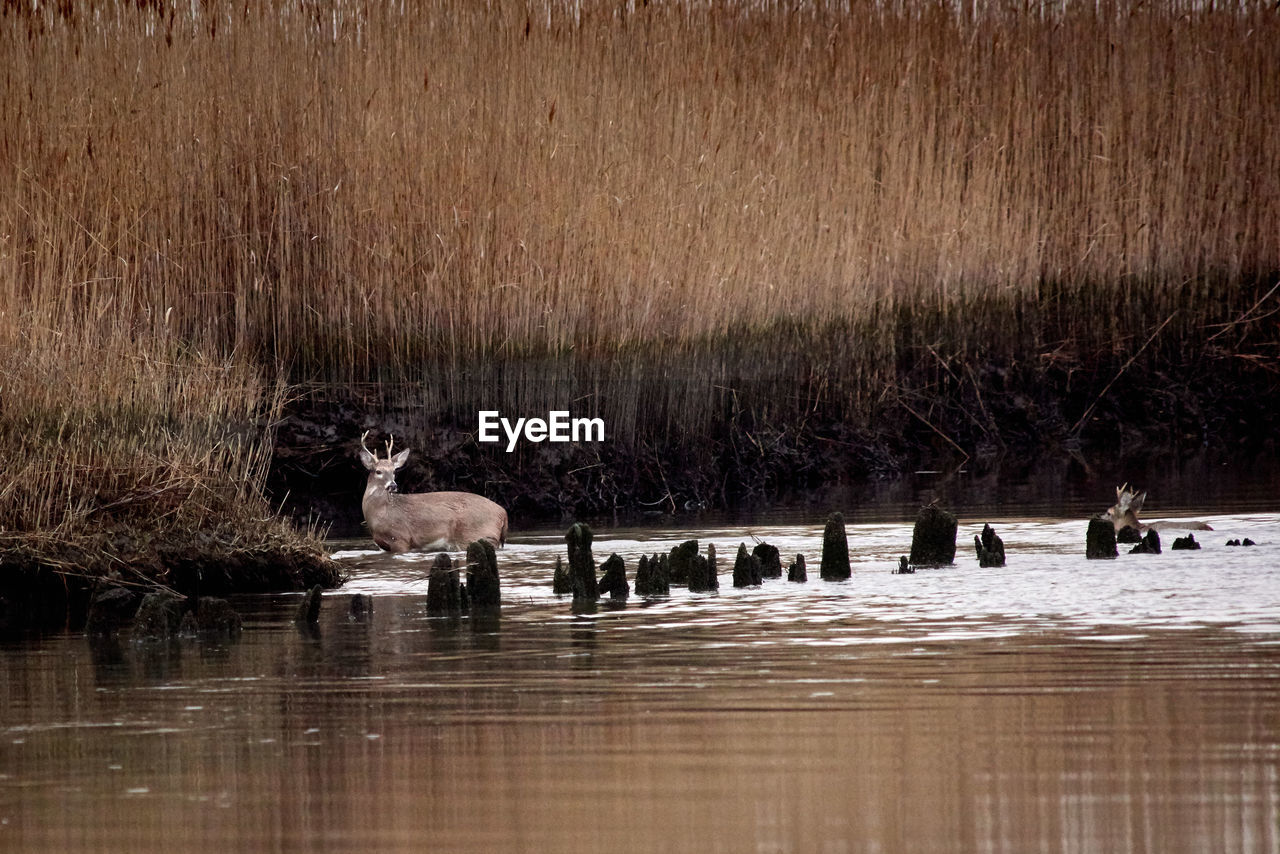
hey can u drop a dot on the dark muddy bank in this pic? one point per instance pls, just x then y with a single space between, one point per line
767 442
48 584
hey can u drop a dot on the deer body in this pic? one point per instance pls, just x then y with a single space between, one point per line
1124 513
424 521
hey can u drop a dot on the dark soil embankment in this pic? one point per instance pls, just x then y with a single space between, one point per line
48 582
751 451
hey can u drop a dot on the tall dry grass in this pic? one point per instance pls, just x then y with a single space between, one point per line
634 207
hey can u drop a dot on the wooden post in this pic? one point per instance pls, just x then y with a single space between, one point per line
582 566
990 547
444 590
770 560
747 570
1100 539
681 561
796 572
835 550
613 578
309 607
483 587
652 576
933 541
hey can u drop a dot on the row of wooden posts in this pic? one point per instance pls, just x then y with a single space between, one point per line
933 543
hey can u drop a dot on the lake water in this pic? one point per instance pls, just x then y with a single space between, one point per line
1055 705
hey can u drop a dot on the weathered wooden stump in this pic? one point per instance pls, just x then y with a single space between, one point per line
110 610
444 588
796 571
582 566
835 550
702 578
560 583
210 615
1148 545
933 540
483 587
681 561
1187 543
653 577
989 546
613 578
713 566
904 567
1128 534
747 569
770 560
361 608
1100 539
159 615
309 608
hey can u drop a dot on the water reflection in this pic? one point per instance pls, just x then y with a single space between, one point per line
1054 705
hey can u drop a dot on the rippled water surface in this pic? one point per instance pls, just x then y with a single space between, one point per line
1056 704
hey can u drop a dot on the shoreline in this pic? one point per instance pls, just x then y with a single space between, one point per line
757 455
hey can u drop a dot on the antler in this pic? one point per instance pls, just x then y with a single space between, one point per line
391 442
364 448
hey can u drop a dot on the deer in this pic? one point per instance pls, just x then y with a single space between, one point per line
424 521
1124 514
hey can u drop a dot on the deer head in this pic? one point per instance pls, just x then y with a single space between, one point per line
1125 511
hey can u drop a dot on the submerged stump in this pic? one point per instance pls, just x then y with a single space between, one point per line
770 559
110 610
747 569
444 590
613 579
990 547
653 577
560 583
835 550
702 577
681 561
1128 534
933 540
1100 539
1148 545
159 615
483 588
1187 543
582 566
796 571
309 608
360 607
211 615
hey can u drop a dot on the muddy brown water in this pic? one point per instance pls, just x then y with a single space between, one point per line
1057 705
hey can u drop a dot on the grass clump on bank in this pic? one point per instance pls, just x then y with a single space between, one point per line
723 222
128 455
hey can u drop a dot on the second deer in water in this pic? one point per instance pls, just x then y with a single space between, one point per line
1124 513
424 521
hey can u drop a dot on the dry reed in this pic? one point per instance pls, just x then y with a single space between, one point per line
519 205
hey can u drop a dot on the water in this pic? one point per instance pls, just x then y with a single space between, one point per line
1057 704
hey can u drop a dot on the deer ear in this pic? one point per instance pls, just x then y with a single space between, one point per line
399 459
368 459
1136 504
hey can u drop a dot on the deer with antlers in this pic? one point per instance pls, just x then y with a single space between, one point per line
424 521
1124 514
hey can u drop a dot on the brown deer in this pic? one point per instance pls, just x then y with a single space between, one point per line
1125 514
424 521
